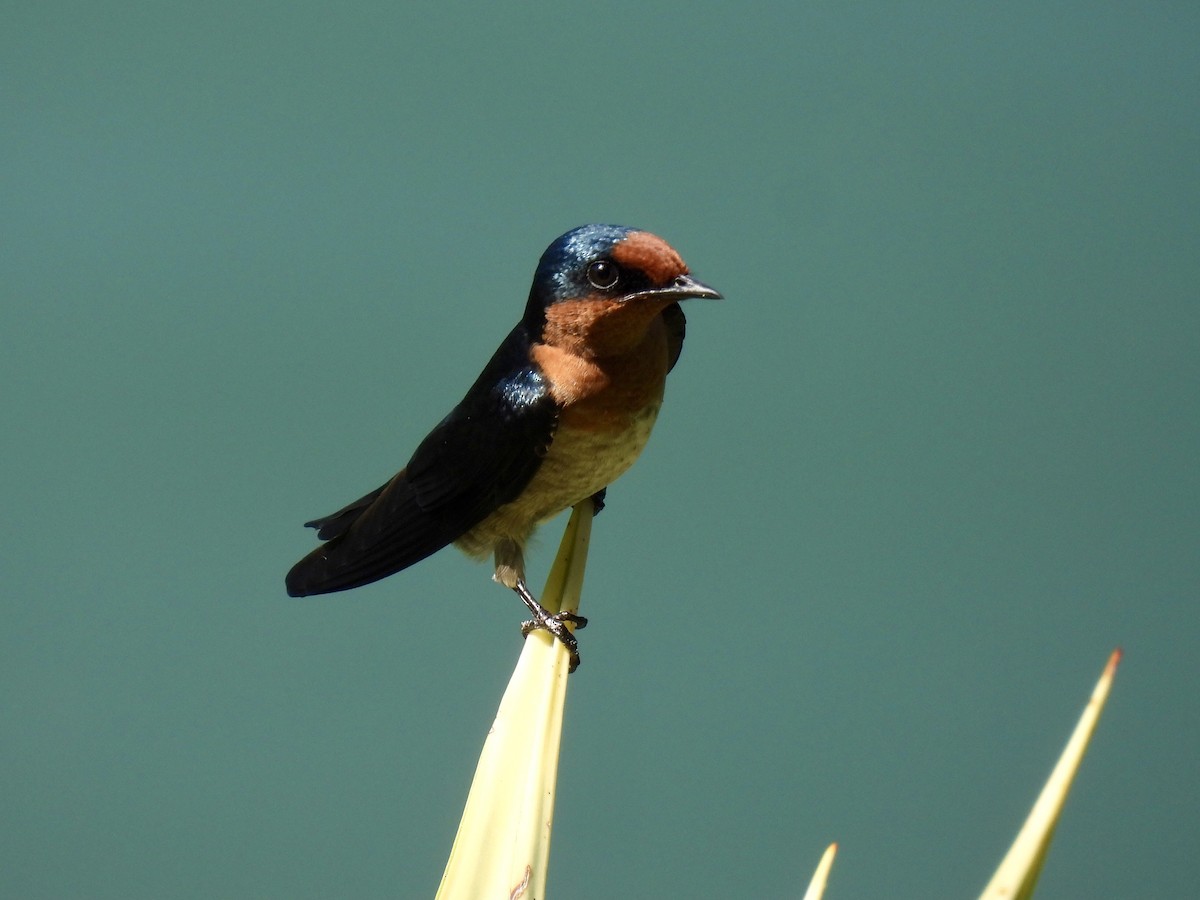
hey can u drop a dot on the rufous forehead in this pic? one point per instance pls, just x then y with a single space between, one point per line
650 254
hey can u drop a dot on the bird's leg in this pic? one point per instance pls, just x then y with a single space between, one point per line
510 572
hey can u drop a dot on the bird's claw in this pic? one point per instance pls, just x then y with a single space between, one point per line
556 624
598 501
552 619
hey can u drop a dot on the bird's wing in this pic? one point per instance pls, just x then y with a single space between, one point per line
676 323
478 458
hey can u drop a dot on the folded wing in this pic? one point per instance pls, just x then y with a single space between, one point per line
478 458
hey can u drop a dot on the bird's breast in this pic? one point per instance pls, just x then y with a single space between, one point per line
607 410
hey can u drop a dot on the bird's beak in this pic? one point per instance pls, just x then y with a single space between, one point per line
684 287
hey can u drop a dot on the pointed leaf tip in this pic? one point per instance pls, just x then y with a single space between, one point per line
816 887
1018 872
503 843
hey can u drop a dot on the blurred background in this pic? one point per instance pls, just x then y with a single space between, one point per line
931 460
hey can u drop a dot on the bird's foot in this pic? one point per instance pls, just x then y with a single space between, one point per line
598 500
548 623
556 624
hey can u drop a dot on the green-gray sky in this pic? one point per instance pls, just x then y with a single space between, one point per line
932 459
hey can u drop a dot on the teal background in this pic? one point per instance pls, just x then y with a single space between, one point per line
929 462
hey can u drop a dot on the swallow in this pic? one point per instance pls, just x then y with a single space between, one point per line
562 409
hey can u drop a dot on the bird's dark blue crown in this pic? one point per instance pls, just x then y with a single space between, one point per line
562 271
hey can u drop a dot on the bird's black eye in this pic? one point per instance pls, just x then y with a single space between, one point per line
603 274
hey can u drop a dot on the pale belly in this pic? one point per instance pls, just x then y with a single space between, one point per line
578 464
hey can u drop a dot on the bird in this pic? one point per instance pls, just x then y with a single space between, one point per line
564 406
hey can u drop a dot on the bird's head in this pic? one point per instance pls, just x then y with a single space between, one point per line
599 287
